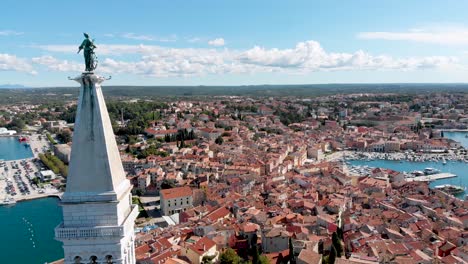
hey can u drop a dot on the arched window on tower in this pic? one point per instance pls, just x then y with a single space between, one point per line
109 259
93 260
77 260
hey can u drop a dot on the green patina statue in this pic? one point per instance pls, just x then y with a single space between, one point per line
90 57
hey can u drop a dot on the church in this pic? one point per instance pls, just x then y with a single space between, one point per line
98 214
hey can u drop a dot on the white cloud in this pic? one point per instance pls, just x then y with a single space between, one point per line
305 57
12 63
138 37
435 35
10 33
310 56
194 40
55 64
134 36
216 42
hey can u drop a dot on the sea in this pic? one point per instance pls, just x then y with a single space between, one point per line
456 167
12 149
28 232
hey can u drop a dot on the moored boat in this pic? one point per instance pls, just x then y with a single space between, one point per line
430 171
8 201
451 189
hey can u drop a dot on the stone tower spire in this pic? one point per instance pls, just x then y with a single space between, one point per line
98 215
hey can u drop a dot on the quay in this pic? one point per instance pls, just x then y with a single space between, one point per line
433 177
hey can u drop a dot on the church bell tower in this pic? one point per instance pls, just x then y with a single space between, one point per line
98 214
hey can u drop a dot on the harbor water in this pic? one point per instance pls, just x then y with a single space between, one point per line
12 149
28 232
458 168
458 136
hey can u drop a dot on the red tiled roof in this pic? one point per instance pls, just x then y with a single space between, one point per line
218 213
202 245
176 192
141 251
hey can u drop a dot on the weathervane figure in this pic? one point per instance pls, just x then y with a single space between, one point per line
89 56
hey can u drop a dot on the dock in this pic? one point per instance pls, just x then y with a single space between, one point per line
432 177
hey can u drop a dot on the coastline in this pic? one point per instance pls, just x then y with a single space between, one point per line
454 130
39 196
34 144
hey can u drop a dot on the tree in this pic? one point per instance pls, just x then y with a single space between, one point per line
333 254
168 184
219 140
229 257
292 258
337 244
255 255
64 136
339 232
253 240
16 124
320 247
263 260
207 259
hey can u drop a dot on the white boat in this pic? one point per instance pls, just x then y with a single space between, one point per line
444 161
451 189
8 201
430 171
417 173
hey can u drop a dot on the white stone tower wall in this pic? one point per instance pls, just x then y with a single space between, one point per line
97 206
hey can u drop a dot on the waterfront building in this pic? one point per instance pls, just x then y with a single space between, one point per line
6 132
98 214
47 175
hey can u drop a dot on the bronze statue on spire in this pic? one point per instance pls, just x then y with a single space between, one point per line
90 58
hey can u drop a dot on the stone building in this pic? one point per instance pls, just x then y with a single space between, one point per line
98 214
176 200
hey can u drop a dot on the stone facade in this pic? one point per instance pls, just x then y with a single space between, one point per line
176 200
98 214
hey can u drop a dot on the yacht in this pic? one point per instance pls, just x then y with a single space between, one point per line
417 173
430 171
451 189
8 201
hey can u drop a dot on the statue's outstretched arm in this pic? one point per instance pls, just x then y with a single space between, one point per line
81 46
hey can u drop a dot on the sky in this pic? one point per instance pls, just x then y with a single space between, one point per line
242 42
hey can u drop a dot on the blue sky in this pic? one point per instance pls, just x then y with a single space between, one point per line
197 42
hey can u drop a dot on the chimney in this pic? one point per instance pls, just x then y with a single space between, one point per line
204 248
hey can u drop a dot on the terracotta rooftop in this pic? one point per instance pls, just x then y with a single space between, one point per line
309 256
176 192
202 245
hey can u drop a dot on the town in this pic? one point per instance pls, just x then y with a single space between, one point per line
233 179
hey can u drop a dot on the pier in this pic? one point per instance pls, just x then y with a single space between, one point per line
433 177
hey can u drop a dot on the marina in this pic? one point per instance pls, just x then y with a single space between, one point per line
12 149
446 175
17 173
